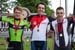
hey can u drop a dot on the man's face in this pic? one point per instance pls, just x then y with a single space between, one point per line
18 14
40 9
60 13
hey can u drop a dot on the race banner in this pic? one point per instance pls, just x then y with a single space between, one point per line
3 29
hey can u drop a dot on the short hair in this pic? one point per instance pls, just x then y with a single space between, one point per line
60 8
18 8
40 3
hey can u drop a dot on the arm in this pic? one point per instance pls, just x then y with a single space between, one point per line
5 19
27 24
72 29
71 18
51 31
29 19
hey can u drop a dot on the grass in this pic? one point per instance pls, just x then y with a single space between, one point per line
50 43
3 46
27 44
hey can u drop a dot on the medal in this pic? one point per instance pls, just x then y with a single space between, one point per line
60 28
38 23
15 26
38 30
61 35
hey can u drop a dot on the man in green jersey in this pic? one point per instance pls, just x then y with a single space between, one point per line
16 28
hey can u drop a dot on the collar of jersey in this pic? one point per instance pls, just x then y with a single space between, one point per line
16 19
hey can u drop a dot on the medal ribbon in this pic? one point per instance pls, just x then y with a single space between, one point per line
61 35
60 26
39 21
15 26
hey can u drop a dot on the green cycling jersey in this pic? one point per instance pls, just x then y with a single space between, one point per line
15 36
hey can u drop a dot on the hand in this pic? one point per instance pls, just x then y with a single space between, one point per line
50 34
9 14
51 31
70 16
30 40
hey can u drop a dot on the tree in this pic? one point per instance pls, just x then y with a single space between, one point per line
12 4
6 4
3 5
30 4
49 11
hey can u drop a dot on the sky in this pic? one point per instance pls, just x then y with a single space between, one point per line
56 3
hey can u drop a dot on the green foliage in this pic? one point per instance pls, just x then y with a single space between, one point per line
3 0
49 11
3 5
27 44
30 4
